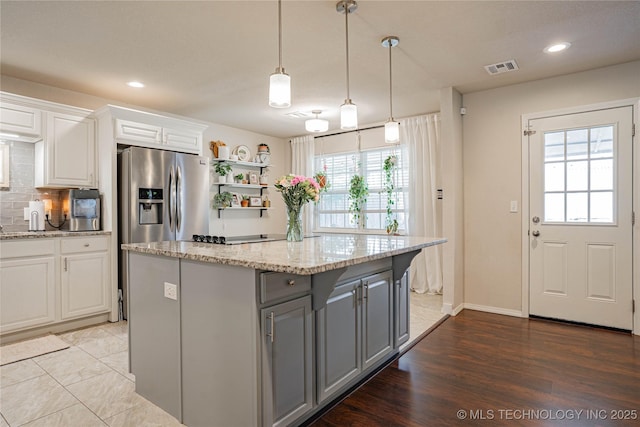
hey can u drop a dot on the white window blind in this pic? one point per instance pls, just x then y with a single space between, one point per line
332 212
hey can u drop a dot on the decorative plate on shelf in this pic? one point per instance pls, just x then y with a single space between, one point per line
243 153
264 158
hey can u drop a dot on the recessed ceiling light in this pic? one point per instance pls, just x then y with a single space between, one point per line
135 84
558 47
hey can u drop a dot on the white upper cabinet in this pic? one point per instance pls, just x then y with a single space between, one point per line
64 136
19 122
68 152
182 140
138 132
139 128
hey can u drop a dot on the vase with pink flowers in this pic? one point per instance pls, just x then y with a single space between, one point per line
297 190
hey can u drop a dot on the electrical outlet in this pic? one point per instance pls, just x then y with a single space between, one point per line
170 291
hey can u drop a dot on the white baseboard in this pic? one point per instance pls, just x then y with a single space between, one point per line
494 310
448 309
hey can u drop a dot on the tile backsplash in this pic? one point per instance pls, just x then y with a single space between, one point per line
21 190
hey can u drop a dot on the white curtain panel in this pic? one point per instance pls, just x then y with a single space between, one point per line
302 164
421 135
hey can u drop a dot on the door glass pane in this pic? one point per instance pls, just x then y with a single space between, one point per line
554 207
602 174
577 144
577 176
602 207
553 146
554 177
577 207
602 142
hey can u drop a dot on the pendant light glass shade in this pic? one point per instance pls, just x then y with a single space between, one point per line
280 89
316 125
280 82
391 132
348 115
391 128
348 110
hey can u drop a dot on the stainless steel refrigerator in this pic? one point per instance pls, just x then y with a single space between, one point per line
163 195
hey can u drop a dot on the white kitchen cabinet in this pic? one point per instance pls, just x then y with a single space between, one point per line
141 133
85 276
67 153
45 282
22 122
27 284
159 132
183 140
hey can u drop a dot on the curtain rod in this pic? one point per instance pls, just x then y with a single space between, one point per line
349 131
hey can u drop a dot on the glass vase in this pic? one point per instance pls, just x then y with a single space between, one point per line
294 224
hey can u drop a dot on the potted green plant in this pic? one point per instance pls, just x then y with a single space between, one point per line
239 177
245 201
222 169
388 167
358 193
222 200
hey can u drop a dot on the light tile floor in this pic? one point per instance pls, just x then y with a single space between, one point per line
425 311
88 384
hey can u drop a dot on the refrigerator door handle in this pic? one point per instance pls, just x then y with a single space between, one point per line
178 197
172 196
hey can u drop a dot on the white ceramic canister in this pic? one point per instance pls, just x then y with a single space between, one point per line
223 153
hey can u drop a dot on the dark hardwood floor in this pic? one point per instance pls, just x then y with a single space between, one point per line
487 369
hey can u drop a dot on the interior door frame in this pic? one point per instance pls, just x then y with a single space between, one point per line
524 204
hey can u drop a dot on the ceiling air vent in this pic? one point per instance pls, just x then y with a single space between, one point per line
502 67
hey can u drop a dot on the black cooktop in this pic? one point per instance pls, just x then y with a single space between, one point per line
236 240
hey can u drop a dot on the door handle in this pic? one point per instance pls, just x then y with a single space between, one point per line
365 290
178 183
171 199
535 219
535 233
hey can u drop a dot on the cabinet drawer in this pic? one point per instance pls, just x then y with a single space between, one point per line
26 248
84 244
275 286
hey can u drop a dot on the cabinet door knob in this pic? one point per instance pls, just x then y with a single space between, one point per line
86 245
291 282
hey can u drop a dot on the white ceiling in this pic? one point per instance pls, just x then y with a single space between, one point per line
211 60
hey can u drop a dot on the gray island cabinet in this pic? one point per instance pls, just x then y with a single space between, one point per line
264 334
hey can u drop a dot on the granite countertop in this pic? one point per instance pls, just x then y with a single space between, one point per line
312 255
14 235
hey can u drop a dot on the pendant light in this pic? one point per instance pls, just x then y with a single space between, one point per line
348 110
280 82
391 127
316 125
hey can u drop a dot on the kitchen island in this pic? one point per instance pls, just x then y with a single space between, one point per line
269 333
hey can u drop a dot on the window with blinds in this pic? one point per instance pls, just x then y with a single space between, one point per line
333 209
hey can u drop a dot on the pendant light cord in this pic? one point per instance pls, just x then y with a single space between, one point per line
280 36
346 26
390 84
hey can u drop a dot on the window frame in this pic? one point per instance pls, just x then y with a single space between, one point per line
363 161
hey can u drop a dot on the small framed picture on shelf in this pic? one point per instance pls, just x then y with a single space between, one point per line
235 200
255 202
253 178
